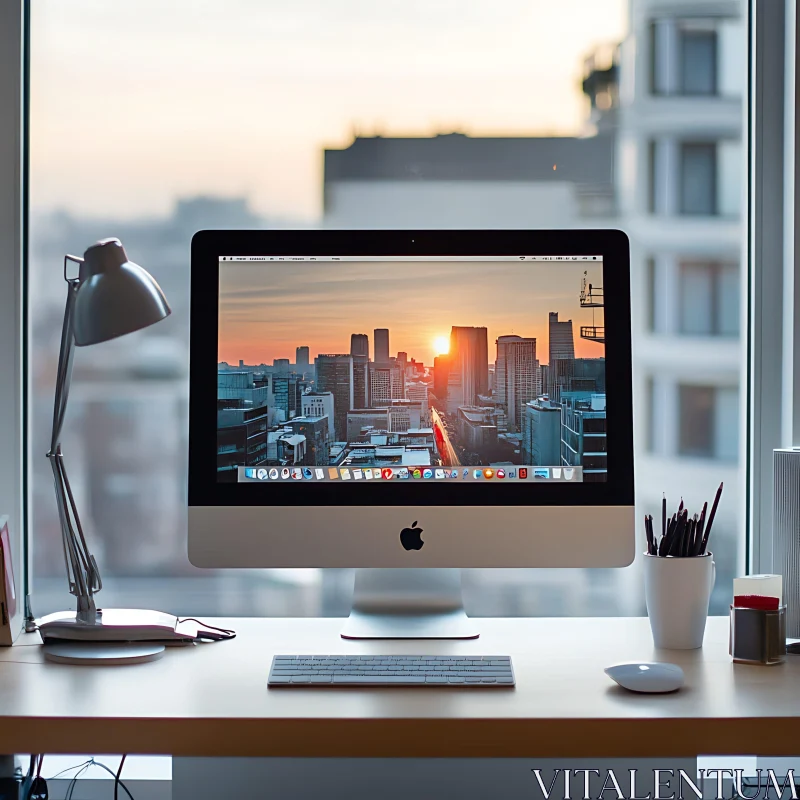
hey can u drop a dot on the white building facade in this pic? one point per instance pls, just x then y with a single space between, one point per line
680 191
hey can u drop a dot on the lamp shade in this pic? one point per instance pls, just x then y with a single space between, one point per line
115 296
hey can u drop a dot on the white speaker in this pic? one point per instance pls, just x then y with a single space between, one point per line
786 532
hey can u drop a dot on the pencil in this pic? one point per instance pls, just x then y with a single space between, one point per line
710 520
700 526
677 536
666 542
688 541
648 535
664 515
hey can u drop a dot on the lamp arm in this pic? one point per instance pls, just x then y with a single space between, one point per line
83 575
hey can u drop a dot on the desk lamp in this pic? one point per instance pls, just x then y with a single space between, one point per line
110 297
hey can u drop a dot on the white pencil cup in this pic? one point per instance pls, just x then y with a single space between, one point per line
677 592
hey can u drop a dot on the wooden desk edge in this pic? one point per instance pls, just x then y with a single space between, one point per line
408 738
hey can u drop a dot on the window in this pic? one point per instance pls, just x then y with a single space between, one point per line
651 290
708 422
685 56
698 176
709 300
698 62
342 114
694 178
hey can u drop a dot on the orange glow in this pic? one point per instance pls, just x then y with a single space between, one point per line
441 345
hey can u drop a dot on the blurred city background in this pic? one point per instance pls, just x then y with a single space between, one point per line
152 120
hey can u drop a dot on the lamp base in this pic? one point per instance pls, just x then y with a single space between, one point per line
103 653
115 625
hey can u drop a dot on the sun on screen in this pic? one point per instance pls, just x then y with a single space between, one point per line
441 344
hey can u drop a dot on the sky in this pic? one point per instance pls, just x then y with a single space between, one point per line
266 311
135 103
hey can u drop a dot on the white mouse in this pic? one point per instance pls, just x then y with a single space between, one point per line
646 676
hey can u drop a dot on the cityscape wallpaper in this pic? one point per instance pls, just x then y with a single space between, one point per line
457 370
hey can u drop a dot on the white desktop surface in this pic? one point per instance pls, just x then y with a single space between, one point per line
213 700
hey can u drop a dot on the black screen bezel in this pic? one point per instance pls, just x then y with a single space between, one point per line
209 246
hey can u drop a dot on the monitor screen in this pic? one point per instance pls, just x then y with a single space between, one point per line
457 369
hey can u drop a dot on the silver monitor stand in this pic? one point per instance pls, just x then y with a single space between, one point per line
408 604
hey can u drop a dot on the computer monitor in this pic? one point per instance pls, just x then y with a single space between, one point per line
410 399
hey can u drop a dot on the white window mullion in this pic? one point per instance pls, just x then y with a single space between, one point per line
11 294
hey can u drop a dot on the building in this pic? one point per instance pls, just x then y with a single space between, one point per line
359 344
301 359
292 449
404 415
385 384
241 438
441 374
517 379
361 389
241 385
562 343
417 391
541 434
317 437
287 391
477 429
458 181
681 184
379 455
381 339
334 374
415 370
319 404
398 379
281 366
583 434
574 375
362 421
468 375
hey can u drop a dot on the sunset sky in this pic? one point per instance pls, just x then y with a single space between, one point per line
266 311
135 103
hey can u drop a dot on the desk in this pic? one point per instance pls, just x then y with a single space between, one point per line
212 699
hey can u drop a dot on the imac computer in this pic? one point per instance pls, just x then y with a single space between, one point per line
410 403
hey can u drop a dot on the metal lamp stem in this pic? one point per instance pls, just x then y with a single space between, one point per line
83 575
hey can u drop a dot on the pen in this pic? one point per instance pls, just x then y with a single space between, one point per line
710 520
648 535
664 515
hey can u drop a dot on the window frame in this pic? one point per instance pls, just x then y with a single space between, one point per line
770 306
13 238
771 313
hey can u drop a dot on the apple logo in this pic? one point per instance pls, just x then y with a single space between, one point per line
410 537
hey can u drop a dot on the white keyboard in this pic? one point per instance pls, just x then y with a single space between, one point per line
343 670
